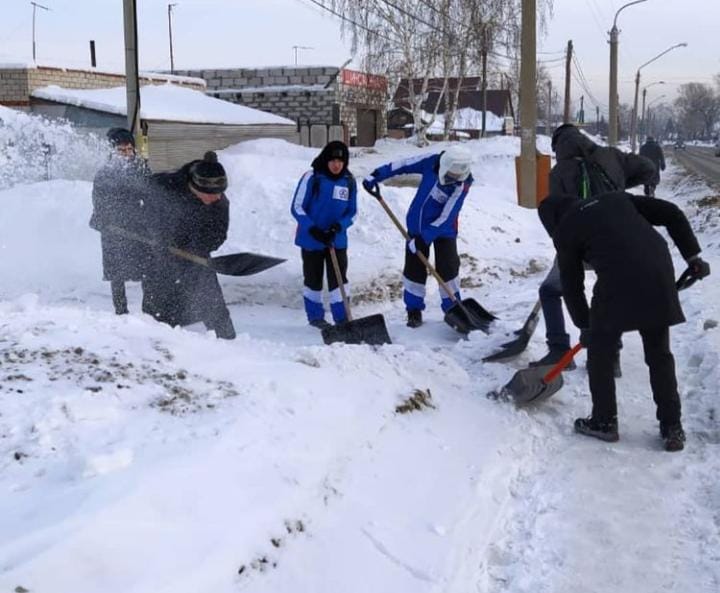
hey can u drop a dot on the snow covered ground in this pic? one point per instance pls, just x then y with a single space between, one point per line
137 458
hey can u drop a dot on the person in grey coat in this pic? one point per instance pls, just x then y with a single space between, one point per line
118 198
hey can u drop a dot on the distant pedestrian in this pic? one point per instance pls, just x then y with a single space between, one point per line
432 219
118 197
635 291
653 151
324 205
187 209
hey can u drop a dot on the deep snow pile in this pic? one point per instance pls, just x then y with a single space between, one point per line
136 457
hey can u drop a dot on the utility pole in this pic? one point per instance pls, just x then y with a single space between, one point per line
484 53
568 60
132 83
548 121
581 116
597 120
172 60
93 62
35 5
528 105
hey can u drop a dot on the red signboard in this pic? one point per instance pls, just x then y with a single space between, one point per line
369 81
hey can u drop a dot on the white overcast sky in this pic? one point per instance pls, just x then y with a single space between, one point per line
222 33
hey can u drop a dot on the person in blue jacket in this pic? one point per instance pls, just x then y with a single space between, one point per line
324 205
431 219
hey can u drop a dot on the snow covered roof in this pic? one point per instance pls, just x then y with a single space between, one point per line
465 119
164 103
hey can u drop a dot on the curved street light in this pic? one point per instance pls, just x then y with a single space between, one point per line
633 127
613 102
643 131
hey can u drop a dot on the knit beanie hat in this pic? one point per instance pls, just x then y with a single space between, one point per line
333 150
208 176
117 136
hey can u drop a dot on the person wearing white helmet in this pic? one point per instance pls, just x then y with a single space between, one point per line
432 219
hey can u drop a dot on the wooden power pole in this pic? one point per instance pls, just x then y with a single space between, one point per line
568 61
132 82
528 105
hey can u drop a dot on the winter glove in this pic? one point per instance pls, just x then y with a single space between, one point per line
331 233
585 337
698 267
417 243
370 184
317 234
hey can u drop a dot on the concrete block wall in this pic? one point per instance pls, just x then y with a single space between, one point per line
352 97
239 78
16 84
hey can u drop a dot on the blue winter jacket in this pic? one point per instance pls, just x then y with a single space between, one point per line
321 201
434 210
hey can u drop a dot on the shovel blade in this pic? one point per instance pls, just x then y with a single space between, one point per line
469 315
366 330
243 264
528 386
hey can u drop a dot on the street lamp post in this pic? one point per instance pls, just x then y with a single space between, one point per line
172 60
613 102
643 127
633 125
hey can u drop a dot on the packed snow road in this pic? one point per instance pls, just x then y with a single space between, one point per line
701 161
135 457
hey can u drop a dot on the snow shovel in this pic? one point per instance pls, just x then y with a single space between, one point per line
234 264
535 384
366 330
463 316
517 346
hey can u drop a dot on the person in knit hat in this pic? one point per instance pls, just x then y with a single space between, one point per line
188 209
324 205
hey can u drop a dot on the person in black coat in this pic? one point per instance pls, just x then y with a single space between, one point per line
118 193
635 291
653 151
583 170
187 209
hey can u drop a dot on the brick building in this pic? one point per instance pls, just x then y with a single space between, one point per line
327 102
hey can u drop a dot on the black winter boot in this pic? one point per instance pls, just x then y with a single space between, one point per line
673 435
320 324
414 318
600 429
553 357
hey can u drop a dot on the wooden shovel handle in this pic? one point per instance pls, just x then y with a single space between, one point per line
339 278
562 363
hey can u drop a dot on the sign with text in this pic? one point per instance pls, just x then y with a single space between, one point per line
368 81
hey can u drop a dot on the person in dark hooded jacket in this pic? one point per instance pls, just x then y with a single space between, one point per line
118 198
187 209
324 205
635 291
653 151
583 170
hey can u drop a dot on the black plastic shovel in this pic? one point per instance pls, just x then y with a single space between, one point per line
464 315
233 264
517 345
366 330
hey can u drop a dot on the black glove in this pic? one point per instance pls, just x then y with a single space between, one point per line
585 337
370 184
698 267
317 234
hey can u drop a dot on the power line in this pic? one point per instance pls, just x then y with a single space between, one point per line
352 22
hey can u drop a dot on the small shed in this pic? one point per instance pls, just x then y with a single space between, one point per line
179 124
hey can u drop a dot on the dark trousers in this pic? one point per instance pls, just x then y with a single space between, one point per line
649 190
447 264
317 264
661 364
551 302
117 288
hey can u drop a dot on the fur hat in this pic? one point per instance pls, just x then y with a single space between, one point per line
117 136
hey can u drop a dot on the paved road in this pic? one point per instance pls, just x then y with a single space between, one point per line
699 160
